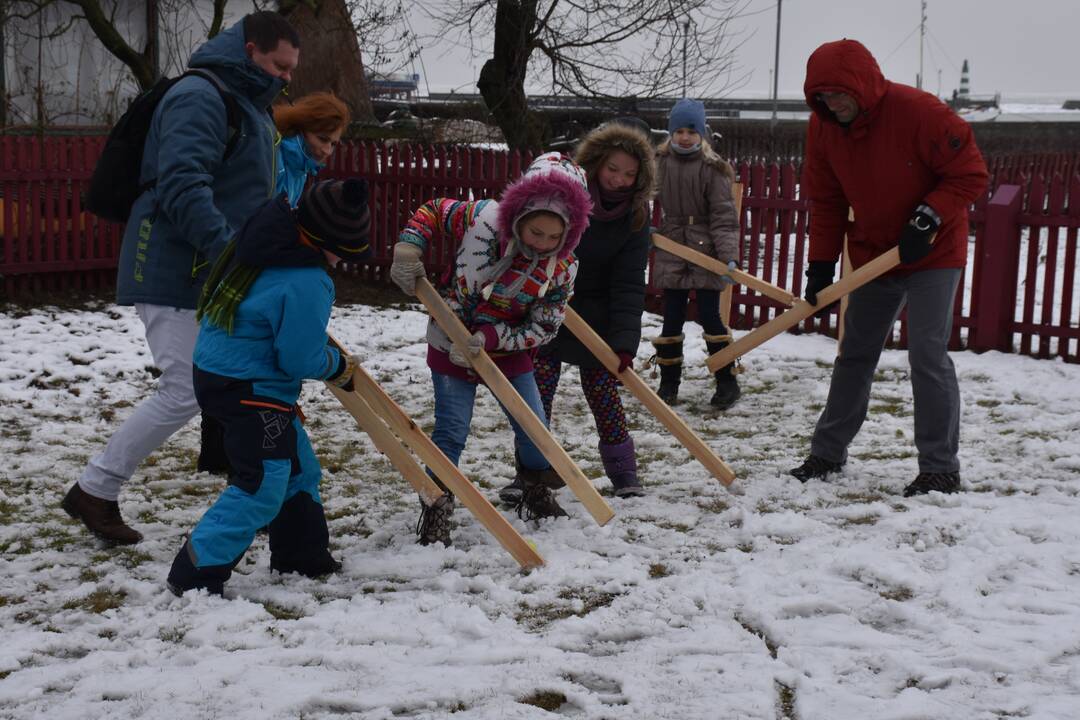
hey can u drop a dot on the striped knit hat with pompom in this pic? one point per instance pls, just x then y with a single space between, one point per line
334 215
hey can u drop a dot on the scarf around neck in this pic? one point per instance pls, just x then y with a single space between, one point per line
609 204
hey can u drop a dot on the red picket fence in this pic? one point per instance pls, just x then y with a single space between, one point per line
1018 292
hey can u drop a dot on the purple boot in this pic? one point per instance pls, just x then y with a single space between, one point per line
620 464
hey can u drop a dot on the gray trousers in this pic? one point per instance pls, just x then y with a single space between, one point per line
869 319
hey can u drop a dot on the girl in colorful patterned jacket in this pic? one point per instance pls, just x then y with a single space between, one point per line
512 277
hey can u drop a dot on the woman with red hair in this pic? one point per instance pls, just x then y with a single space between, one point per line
310 130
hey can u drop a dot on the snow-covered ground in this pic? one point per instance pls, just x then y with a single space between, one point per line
829 601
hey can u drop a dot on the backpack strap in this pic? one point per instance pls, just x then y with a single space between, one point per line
232 110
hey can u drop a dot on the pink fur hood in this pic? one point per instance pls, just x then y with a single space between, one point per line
553 183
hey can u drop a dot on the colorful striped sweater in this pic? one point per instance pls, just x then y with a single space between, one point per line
515 325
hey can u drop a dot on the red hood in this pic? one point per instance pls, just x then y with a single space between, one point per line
844 66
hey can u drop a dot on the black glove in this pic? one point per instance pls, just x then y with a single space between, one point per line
818 277
916 235
343 375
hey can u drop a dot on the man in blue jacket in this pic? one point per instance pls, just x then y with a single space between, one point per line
196 201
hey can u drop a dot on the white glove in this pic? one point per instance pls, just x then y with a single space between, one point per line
476 344
407 266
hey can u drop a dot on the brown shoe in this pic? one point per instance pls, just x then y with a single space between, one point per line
101 517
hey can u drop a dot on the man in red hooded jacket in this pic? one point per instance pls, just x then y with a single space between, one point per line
908 167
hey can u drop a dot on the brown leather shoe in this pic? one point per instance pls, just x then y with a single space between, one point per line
101 517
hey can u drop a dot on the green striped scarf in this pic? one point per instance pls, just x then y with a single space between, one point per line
225 289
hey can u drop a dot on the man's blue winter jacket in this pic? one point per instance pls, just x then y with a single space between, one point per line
179 226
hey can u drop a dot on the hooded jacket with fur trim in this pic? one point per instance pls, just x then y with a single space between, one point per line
609 292
517 302
904 148
699 212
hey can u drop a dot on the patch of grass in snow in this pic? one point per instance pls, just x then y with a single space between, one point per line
785 701
988 403
764 388
550 700
673 525
861 520
893 407
6 600
174 635
98 601
129 557
90 575
899 593
714 505
571 601
770 644
282 612
659 570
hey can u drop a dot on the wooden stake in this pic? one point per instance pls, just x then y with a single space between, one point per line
515 405
801 309
648 398
385 442
430 454
710 263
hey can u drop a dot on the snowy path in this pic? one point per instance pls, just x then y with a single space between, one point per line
821 602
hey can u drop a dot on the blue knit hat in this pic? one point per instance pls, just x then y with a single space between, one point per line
687 113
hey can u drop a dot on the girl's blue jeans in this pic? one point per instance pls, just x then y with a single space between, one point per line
454 399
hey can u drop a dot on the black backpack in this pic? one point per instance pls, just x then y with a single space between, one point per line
114 186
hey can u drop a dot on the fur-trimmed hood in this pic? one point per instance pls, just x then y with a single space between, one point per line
553 183
604 140
708 155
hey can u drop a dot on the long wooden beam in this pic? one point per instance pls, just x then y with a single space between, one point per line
633 382
430 454
801 310
385 442
515 405
710 263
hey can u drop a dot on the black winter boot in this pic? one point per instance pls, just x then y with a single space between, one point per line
436 521
929 482
727 387
815 468
538 500
300 539
212 457
184 576
511 494
670 358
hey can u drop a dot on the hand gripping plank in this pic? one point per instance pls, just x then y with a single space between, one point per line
753 282
648 398
515 405
801 310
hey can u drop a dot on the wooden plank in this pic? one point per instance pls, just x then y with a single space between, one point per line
712 264
633 382
802 309
515 405
429 453
385 442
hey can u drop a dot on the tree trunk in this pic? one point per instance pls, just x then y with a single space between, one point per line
502 79
329 54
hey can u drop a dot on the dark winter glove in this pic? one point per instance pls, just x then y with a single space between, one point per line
727 281
625 359
343 375
407 266
818 277
916 236
476 344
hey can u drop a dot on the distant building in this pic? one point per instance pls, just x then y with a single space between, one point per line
399 86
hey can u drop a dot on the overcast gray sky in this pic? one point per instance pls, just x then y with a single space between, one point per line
1027 49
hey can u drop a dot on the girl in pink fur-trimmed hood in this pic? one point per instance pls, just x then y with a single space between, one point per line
512 277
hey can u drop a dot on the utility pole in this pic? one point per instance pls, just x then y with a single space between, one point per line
685 40
922 38
776 66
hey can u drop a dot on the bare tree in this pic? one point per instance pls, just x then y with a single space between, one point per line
594 48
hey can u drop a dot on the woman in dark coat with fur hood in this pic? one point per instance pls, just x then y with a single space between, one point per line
609 292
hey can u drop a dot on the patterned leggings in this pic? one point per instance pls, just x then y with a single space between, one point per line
601 392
